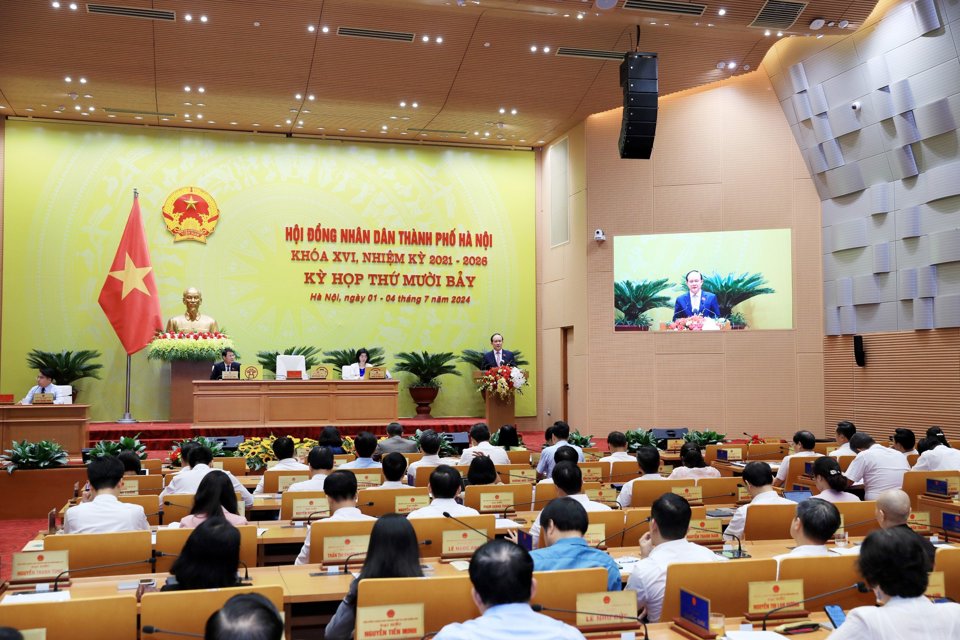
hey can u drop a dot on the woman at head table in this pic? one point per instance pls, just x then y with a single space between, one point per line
358 370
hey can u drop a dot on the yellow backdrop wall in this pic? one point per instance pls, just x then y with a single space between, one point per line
68 191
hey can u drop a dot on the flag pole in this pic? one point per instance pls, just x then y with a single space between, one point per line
127 418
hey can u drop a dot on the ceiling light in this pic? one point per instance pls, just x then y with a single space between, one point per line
403 104
415 105
817 24
211 122
138 117
311 97
513 112
199 116
767 32
819 35
84 113
73 6
709 24
289 121
255 124
91 109
298 96
311 28
425 38
363 130
203 18
438 39
533 49
476 133
201 89
188 17
731 65
843 24
722 12
831 24
186 115
779 34
721 65
546 49
502 110
579 16
55 5
486 134
325 29
188 104
300 122
276 125
83 81
186 88
68 79
341 130
383 127
164 119
233 123
77 107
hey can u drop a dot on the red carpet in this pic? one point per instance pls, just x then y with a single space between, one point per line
13 535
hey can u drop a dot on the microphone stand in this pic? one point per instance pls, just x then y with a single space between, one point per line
152 561
446 514
639 619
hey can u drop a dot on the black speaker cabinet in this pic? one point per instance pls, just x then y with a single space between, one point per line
638 79
858 353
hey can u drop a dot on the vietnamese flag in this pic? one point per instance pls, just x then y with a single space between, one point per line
129 296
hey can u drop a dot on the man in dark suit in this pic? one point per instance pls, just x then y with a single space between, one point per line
696 302
498 356
229 363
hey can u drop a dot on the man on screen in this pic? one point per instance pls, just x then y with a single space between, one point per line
696 302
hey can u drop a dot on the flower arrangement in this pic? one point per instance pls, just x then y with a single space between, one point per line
347 444
756 439
259 451
696 323
200 346
126 443
503 381
215 446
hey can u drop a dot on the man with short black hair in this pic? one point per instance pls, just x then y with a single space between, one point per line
320 461
503 585
173 482
498 356
565 523
880 468
394 442
845 431
284 449
394 466
648 459
45 384
664 544
200 459
229 363
804 444
759 480
445 486
569 480
561 431
548 438
480 446
247 616
430 446
341 490
364 444
564 454
617 443
814 525
904 441
104 513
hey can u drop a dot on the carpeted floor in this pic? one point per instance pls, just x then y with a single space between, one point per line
13 535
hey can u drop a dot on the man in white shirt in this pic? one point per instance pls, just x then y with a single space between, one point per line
617 443
804 441
104 513
664 544
648 458
480 446
394 468
44 385
200 459
936 456
880 468
320 460
341 490
445 486
904 441
569 480
759 480
284 450
364 444
561 431
845 431
814 526
172 484
430 446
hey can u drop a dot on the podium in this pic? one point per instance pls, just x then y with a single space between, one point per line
182 375
499 411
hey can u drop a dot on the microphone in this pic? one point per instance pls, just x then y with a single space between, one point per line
623 533
152 561
859 586
539 607
446 514
317 513
846 527
150 629
719 495
503 514
246 571
351 557
740 553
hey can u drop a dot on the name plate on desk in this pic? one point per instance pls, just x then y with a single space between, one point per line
492 501
230 375
339 548
730 453
305 507
691 494
919 521
766 596
320 373
252 372
406 504
943 486
604 494
595 534
936 587
391 621
674 444
830 448
368 479
695 610
713 534
129 487
591 474
38 566
950 522
525 476
461 542
612 603
42 398
376 373
742 494
284 482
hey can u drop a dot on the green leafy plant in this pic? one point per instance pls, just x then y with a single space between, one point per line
68 366
732 289
474 358
114 448
268 359
581 441
637 438
634 298
45 454
737 319
341 358
447 449
426 367
703 438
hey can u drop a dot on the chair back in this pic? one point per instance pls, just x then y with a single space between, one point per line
377 502
445 599
516 473
519 456
153 465
821 574
432 529
92 549
299 505
333 541
498 498
915 482
769 522
421 477
177 506
646 491
412 457
948 561
766 451
110 618
854 512
719 490
236 466
63 393
287 363
141 485
366 478
796 470
723 583
559 589
593 471
634 527
278 481
149 504
621 472
188 611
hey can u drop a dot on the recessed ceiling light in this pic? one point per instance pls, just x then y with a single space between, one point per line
341 130
325 29
383 127
111 115
186 115
363 130
29 109
298 96
186 88
819 35
234 123
300 122
138 117
77 107
211 122
320 128
201 89
709 24
533 49
513 112
306 111
415 105
68 79
203 18
73 6
90 109
403 104
403 133
779 34
767 32
311 97
289 121
817 23
83 81
256 23
486 134
188 17
546 49
579 16
438 40
486 44
843 24
311 28
84 113
55 5
731 65
199 116
425 38
721 11
276 125
502 110
721 65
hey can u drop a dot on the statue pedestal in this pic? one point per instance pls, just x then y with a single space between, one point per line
182 375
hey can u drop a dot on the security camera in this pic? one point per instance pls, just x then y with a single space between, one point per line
855 105
598 235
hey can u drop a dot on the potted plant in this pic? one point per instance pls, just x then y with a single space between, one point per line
68 366
341 358
114 448
268 359
703 438
215 446
632 299
737 321
45 454
637 438
581 441
474 358
447 450
426 368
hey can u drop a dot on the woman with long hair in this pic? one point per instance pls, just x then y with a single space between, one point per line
209 559
830 481
215 498
330 437
694 465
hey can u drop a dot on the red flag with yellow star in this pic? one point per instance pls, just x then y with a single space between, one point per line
129 296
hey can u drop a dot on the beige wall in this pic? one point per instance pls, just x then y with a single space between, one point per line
724 159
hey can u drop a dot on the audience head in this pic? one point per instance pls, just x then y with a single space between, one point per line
330 437
283 448
340 486
104 472
185 449
131 463
566 454
616 440
861 442
508 437
816 522
394 466
568 478
247 616
563 516
648 458
893 508
214 494
393 551
429 442
479 432
445 482
926 444
904 440
757 474
501 573
482 471
320 458
671 515
845 431
394 429
827 469
691 456
561 430
200 454
937 432
805 440
210 556
365 444
9 633
549 436
895 562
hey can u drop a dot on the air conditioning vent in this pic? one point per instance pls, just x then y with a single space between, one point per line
659 6
592 54
777 14
373 34
138 112
416 130
132 12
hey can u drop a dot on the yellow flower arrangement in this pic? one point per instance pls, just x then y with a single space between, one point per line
259 451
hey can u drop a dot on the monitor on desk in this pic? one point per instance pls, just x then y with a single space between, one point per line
797 496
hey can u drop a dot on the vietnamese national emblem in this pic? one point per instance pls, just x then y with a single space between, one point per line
190 213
